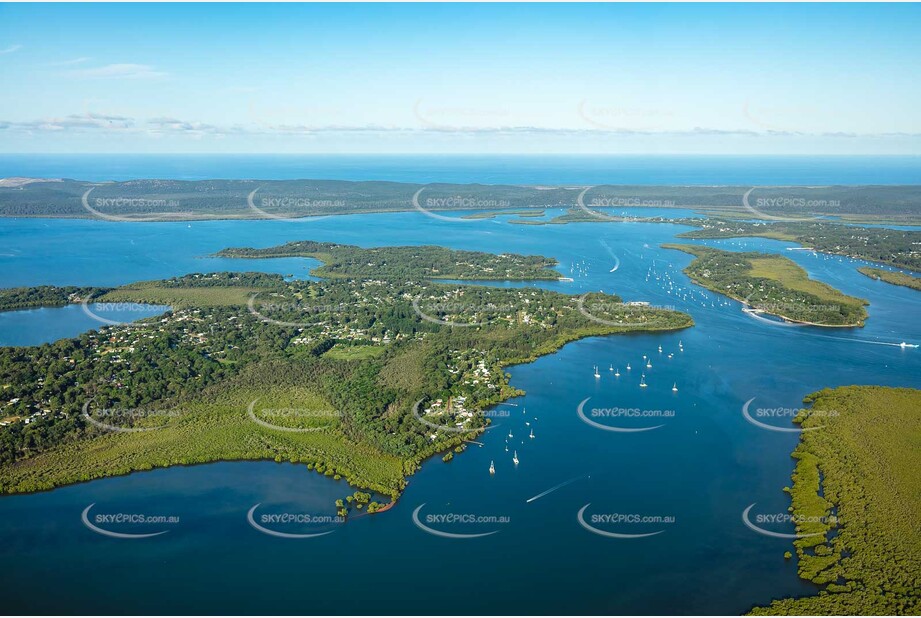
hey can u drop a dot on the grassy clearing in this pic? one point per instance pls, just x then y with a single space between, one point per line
180 297
789 274
355 352
218 428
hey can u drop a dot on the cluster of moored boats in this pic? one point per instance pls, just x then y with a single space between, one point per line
647 363
515 460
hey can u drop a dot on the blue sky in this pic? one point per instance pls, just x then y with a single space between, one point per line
411 78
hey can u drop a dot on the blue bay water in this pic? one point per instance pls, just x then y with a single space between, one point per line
703 467
488 169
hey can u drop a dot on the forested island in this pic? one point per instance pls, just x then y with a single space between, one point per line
358 377
895 278
427 261
856 499
772 284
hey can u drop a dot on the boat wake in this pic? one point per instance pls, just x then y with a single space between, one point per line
555 487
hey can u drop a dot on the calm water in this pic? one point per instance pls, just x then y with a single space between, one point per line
47 324
703 467
489 169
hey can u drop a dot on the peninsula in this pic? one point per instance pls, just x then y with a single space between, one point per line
357 376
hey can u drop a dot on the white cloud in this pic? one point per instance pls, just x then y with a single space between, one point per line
119 71
10 49
67 63
161 126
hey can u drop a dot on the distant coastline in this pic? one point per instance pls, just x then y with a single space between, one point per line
162 200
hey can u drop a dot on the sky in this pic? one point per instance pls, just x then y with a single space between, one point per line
500 78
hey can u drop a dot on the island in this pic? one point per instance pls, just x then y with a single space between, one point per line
360 376
772 284
856 500
900 248
889 276
427 262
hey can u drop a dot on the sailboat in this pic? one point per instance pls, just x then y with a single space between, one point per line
648 364
492 467
617 373
532 433
611 368
643 381
628 366
515 458
509 433
675 387
597 375
660 349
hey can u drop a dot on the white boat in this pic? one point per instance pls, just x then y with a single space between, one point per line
628 366
648 365
532 434
611 368
597 375
515 458
492 467
643 381
617 373
904 345
675 387
660 349
510 433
